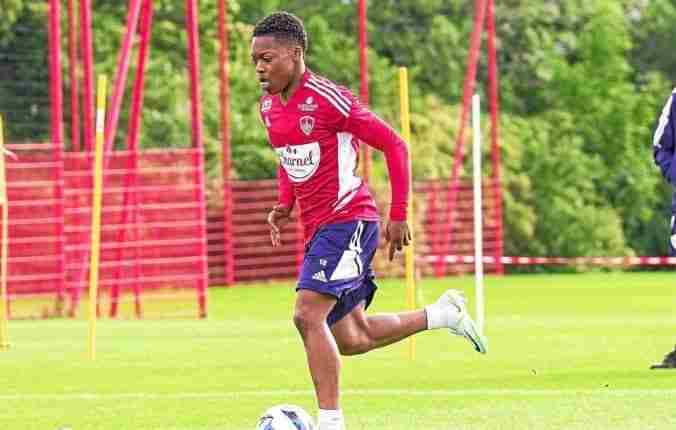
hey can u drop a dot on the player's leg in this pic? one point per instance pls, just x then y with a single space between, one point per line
323 360
331 268
357 332
669 361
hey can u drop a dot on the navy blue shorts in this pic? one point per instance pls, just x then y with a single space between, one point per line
337 262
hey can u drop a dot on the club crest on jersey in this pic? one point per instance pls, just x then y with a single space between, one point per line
267 105
309 105
307 123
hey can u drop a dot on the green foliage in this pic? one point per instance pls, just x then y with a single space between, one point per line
24 72
252 156
594 87
10 10
654 32
552 205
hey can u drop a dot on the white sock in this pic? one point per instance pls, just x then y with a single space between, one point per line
435 318
439 316
331 419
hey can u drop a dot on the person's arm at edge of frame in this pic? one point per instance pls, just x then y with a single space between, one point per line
663 141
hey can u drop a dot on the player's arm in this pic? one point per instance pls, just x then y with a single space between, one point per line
664 141
281 212
370 129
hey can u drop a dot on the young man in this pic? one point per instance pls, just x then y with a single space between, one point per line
664 146
313 125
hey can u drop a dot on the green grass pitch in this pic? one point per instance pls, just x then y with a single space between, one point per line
566 352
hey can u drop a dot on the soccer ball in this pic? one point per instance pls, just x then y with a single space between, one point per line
285 417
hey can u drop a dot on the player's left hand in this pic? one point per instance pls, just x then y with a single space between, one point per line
398 235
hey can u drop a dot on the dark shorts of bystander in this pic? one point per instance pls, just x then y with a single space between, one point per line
672 238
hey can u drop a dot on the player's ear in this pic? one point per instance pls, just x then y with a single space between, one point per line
297 53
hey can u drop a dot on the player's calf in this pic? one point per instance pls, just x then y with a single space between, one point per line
355 344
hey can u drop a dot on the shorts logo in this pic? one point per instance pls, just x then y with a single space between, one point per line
320 276
307 123
267 105
308 106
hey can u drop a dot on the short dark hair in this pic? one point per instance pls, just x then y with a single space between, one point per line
282 25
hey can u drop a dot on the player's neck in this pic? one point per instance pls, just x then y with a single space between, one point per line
286 94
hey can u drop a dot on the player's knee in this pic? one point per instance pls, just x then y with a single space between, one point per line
304 319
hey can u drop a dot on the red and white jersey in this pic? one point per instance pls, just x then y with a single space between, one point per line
315 135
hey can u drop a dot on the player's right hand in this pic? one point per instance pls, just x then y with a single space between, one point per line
398 235
277 218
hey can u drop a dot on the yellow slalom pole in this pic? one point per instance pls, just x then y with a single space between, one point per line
4 339
410 250
96 213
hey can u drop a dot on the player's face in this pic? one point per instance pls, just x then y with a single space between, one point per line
275 63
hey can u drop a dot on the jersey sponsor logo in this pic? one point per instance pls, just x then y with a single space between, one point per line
300 161
307 124
267 105
309 105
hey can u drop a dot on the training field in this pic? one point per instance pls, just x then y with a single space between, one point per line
566 352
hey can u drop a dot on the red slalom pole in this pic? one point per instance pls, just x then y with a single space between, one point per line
121 77
494 106
89 132
56 131
364 82
130 201
459 153
229 269
191 22
73 65
88 63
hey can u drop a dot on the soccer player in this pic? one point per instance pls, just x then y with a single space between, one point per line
664 145
313 125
